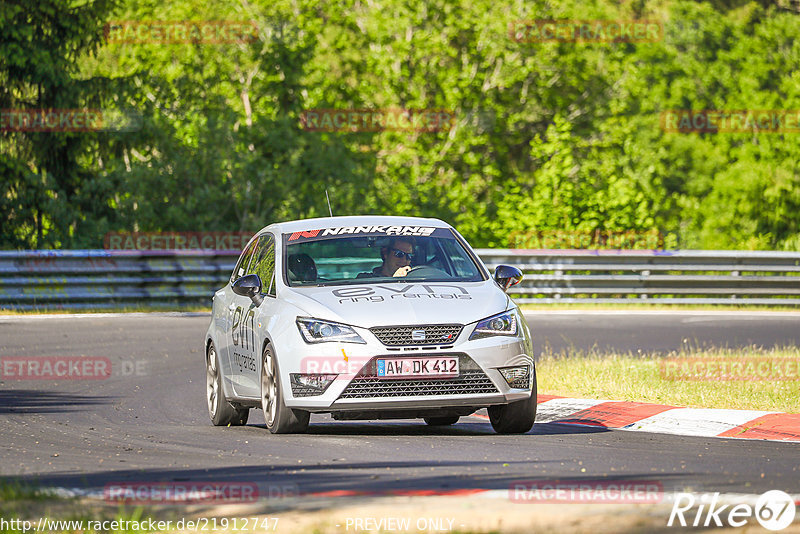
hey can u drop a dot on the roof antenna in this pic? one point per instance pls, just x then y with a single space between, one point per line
329 203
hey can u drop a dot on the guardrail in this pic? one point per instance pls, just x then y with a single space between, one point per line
662 276
115 278
111 278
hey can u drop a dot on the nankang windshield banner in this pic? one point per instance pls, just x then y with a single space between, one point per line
376 230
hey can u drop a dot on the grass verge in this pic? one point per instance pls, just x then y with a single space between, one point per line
743 379
25 507
14 490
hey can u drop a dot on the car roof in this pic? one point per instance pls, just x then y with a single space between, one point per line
354 220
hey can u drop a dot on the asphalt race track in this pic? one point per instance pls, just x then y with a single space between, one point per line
148 421
660 331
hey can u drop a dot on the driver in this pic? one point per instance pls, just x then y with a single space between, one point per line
396 258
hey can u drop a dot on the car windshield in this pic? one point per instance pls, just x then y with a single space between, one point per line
313 259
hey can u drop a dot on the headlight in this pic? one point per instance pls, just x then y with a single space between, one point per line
503 324
317 331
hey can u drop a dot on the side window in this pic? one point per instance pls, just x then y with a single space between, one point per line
264 264
244 261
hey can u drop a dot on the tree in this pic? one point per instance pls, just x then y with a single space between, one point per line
49 177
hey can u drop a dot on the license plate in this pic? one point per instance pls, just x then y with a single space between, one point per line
414 367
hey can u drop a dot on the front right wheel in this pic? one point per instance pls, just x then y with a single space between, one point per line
279 418
516 417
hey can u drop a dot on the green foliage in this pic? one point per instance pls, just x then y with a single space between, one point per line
49 179
548 135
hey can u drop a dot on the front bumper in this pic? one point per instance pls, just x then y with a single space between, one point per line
356 388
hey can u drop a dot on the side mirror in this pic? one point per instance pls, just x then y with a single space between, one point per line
507 276
249 286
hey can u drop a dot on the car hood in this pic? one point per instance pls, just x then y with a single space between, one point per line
395 303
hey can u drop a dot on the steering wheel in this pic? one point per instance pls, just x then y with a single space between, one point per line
425 270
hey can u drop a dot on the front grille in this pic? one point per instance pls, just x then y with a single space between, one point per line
471 381
434 334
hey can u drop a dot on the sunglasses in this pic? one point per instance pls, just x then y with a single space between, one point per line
400 254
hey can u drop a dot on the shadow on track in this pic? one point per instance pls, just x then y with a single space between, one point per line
280 485
29 401
465 427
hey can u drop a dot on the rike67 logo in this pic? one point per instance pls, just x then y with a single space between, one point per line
774 510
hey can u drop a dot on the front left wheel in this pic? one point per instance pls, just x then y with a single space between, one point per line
219 409
279 418
517 417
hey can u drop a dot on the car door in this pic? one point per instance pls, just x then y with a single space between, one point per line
247 320
232 301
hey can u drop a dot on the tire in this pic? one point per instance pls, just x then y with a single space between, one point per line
441 421
279 418
516 417
219 409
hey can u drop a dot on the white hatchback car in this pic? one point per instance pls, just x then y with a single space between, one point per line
368 317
